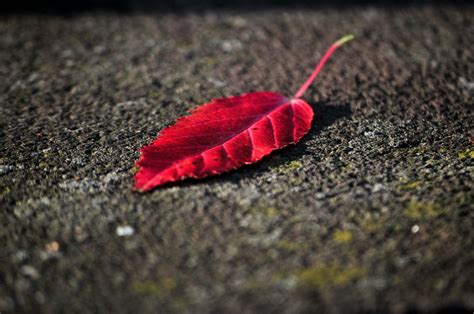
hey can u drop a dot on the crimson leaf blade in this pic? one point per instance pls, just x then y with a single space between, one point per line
223 135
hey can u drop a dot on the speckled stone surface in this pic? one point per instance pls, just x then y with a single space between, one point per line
371 212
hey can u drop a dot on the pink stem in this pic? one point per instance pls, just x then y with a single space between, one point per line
321 63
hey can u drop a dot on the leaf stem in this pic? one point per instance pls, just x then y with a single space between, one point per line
321 63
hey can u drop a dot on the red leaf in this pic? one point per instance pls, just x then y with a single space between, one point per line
227 133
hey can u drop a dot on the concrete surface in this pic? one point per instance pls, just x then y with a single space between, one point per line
371 212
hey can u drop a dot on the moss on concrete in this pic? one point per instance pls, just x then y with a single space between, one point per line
342 236
423 210
322 277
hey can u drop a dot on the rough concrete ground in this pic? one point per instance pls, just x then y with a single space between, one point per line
371 212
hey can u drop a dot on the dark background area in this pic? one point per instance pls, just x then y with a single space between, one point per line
75 6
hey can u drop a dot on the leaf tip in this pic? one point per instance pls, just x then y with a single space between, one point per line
138 189
344 40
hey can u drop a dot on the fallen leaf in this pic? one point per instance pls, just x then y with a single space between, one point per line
227 133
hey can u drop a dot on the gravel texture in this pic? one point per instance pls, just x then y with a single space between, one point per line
370 212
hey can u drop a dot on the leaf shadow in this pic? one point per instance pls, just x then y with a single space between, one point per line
325 115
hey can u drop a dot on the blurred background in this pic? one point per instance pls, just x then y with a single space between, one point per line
56 6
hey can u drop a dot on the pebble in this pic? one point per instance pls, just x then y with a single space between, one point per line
4 169
52 247
231 44
30 271
125 231
377 187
